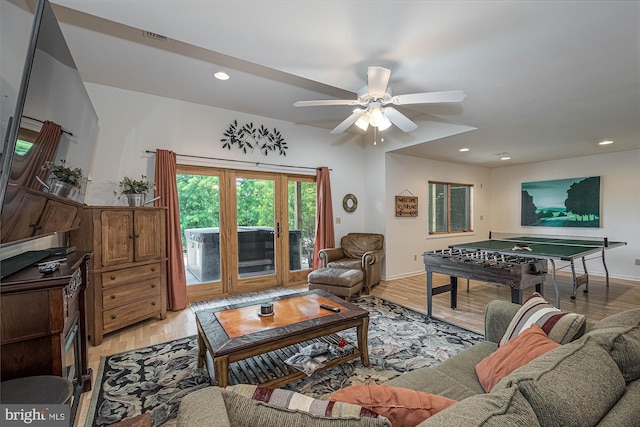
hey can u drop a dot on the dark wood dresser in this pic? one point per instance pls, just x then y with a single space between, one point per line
43 329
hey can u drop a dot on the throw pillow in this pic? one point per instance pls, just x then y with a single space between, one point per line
559 326
402 406
530 344
250 406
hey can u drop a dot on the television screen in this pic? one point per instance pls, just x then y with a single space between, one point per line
47 115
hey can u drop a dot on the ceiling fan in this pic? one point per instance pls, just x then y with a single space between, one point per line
375 99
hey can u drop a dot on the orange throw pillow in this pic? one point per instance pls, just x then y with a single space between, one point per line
402 406
517 352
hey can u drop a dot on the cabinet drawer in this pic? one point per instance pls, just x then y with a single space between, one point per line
125 275
128 314
115 296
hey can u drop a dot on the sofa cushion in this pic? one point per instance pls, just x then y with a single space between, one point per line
250 406
530 344
462 366
619 334
432 381
203 408
573 385
625 411
506 407
559 326
402 406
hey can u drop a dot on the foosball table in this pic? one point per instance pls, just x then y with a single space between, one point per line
515 271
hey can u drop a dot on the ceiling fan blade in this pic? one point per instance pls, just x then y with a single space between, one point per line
348 121
326 102
428 97
399 119
378 80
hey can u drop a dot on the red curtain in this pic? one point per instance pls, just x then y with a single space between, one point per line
325 237
166 187
44 150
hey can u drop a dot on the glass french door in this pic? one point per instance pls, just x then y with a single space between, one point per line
244 231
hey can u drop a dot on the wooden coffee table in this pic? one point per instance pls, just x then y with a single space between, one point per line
239 346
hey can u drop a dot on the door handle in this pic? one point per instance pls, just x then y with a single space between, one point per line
278 230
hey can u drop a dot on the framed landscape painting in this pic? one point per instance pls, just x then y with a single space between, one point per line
573 202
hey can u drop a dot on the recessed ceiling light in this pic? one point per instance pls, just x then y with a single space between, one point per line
505 158
463 149
221 75
605 142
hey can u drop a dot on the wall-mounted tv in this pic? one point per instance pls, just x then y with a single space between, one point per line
48 90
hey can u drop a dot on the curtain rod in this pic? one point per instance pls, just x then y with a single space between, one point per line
38 120
238 161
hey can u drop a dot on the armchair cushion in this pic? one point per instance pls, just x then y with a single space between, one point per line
355 245
348 263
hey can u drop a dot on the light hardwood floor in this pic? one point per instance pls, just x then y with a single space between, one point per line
409 292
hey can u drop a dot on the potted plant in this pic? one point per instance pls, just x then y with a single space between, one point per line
64 181
135 190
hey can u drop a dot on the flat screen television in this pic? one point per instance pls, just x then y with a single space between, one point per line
49 89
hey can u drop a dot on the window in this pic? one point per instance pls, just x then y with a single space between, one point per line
449 207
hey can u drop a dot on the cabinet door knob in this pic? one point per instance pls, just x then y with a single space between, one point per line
113 316
113 297
153 303
131 236
153 285
136 235
153 269
113 277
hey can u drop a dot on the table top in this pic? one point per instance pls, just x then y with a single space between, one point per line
543 247
236 327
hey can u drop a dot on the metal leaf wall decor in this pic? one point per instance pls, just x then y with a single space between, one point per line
248 137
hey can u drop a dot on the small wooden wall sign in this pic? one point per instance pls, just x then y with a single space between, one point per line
406 206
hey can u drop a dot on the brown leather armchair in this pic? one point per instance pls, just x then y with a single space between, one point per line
360 251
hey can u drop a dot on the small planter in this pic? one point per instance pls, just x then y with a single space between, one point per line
62 189
136 199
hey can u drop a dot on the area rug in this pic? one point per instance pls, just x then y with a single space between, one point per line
236 299
154 379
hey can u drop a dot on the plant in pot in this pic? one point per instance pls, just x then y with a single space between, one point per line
64 181
134 190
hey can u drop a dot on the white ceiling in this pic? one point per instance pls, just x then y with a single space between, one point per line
544 80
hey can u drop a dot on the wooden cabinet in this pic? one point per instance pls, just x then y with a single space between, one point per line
43 324
38 213
128 271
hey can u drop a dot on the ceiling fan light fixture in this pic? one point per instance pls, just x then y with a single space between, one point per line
376 116
384 123
363 121
375 98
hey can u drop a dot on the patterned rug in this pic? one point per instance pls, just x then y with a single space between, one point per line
154 379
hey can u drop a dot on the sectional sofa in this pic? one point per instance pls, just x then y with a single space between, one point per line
591 379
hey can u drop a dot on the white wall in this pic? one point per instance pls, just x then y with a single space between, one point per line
620 204
407 238
133 122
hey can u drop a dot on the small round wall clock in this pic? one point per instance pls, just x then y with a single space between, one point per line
350 203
